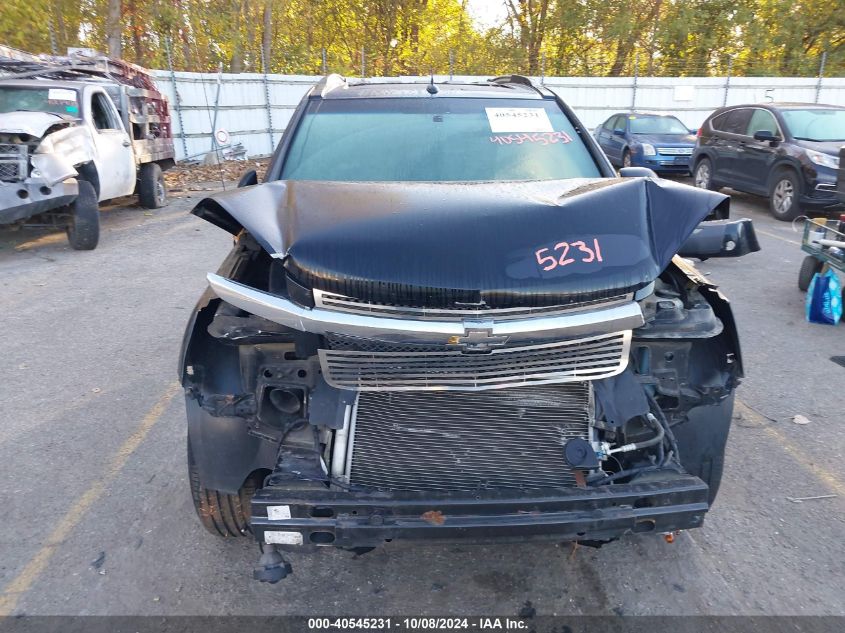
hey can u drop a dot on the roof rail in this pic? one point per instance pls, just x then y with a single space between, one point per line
329 83
512 79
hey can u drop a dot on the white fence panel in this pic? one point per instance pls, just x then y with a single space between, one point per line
242 108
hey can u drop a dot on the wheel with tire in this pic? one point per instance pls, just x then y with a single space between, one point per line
783 196
626 158
220 513
703 175
152 191
809 267
83 230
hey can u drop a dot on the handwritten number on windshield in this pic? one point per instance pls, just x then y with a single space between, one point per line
565 253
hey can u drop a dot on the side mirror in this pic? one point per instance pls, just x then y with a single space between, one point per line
693 131
619 132
765 135
249 178
721 238
637 172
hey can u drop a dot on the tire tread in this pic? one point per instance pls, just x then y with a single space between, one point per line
220 513
809 267
148 175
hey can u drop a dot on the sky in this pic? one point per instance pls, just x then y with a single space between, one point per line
487 13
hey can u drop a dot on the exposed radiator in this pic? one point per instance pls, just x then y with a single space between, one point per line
466 441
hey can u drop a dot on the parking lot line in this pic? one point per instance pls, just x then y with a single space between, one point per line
24 580
802 458
821 474
777 237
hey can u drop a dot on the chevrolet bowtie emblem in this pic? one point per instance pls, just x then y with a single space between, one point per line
477 340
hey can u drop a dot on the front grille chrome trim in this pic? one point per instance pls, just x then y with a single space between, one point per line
602 320
574 360
340 303
675 151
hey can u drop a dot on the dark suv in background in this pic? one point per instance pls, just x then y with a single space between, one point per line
786 151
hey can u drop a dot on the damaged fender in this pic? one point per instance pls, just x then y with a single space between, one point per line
73 145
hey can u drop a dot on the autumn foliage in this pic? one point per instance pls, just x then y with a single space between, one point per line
555 37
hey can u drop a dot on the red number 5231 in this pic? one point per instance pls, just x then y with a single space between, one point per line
565 253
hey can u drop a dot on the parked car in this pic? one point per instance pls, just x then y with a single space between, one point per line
446 318
75 132
786 151
657 141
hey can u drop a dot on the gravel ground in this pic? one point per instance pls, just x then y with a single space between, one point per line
97 517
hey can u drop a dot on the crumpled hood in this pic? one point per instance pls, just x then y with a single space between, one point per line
498 241
32 123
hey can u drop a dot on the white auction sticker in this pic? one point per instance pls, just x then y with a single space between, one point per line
61 94
282 538
278 513
518 120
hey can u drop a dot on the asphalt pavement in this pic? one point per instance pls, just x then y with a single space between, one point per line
97 517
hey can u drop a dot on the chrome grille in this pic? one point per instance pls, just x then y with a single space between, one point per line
13 162
418 369
675 151
360 344
512 438
459 312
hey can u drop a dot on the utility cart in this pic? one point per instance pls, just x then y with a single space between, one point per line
824 243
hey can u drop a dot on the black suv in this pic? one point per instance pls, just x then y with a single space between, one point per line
786 151
446 318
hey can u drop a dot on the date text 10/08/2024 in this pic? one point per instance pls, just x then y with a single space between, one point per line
417 624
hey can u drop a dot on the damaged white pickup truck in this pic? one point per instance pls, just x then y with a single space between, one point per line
65 146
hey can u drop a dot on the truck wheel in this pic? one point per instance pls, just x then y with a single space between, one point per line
83 231
809 267
220 513
152 192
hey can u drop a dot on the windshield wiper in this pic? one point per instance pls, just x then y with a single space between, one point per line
804 138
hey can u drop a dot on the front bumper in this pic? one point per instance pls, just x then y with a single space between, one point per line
822 191
671 164
355 519
22 200
601 320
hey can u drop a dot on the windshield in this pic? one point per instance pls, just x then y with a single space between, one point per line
815 124
57 100
656 125
436 140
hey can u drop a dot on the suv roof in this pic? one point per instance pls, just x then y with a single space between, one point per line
780 105
639 113
508 87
